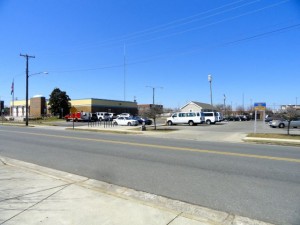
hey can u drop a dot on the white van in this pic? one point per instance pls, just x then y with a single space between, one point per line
190 118
210 117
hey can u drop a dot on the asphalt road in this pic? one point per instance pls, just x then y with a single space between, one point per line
257 181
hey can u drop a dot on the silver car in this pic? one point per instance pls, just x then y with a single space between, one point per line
284 123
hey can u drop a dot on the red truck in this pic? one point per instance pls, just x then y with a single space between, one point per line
78 116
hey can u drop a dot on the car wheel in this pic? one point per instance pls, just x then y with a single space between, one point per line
169 123
129 124
208 122
281 125
191 123
115 123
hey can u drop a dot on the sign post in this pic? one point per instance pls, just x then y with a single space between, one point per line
73 110
259 106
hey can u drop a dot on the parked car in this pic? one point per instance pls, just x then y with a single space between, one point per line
124 115
281 123
268 119
103 116
233 118
112 116
219 116
93 117
210 117
242 117
127 121
142 120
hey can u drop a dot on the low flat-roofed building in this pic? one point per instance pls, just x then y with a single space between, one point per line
105 105
39 106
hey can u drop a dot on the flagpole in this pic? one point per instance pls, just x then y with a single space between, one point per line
13 98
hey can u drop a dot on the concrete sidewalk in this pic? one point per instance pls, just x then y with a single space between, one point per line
31 194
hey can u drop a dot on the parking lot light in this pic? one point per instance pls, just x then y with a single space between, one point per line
210 81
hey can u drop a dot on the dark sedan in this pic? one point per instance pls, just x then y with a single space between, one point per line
142 120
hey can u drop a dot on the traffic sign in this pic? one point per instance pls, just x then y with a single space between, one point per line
260 106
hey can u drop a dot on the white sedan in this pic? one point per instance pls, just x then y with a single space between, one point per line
125 121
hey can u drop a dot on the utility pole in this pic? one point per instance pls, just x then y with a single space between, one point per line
243 103
124 54
224 105
27 76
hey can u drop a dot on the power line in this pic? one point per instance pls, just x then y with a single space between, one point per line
156 29
283 29
210 24
174 24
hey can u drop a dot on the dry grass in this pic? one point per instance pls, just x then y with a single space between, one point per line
277 136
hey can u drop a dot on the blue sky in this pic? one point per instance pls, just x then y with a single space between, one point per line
250 47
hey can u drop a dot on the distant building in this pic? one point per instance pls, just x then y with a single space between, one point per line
38 106
285 107
197 107
142 108
104 105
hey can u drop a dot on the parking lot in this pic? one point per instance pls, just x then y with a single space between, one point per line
232 131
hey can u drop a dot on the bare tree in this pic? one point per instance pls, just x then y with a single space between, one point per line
240 110
153 113
290 114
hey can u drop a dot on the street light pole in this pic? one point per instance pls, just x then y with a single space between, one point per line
210 80
153 92
224 105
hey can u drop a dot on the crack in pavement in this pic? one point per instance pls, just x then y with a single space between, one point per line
62 187
47 189
174 218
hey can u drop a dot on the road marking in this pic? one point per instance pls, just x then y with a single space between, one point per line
164 147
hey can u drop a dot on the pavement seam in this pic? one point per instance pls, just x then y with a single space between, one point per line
174 218
229 219
35 204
